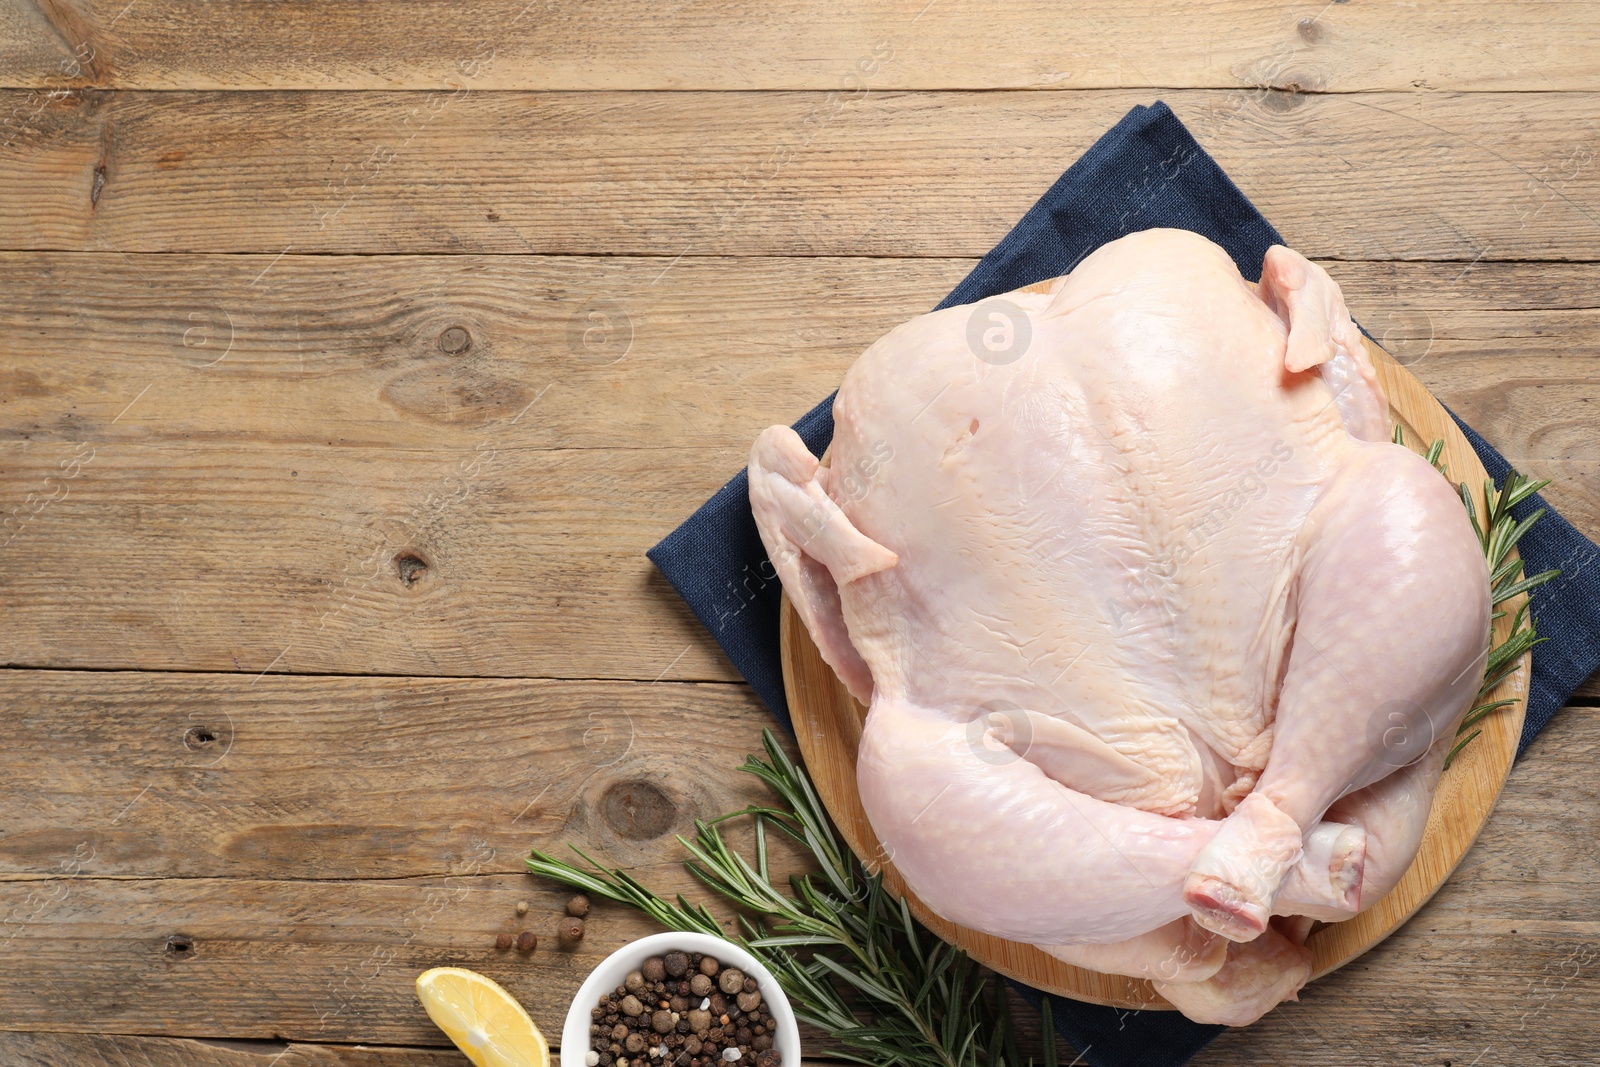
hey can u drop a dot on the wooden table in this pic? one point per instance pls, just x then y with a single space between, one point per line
355 353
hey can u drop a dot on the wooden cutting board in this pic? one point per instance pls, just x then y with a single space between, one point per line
828 722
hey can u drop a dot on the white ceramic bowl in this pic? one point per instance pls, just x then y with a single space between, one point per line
615 967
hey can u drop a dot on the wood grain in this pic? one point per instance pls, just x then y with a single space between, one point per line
188 775
829 721
314 961
314 558
1458 176
21 1049
718 44
320 841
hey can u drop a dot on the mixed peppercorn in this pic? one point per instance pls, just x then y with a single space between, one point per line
683 1009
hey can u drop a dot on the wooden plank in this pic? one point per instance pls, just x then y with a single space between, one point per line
341 833
303 961
245 507
21 1049
1458 176
718 44
1508 945
437 351
42 1049
315 558
289 776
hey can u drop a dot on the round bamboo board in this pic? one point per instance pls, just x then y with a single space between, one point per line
828 722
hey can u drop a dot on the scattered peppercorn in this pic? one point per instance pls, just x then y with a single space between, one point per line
578 906
503 942
571 929
522 907
527 941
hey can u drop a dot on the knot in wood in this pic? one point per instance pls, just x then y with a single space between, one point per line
638 810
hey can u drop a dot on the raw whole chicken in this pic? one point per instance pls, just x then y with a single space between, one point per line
1161 635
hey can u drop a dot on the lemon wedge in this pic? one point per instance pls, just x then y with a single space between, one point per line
482 1019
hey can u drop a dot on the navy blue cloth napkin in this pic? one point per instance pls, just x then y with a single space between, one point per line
1146 171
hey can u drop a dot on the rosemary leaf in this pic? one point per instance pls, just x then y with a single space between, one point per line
1502 595
1471 718
1047 1023
1463 743
1511 536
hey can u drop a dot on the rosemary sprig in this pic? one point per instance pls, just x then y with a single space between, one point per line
847 952
1498 534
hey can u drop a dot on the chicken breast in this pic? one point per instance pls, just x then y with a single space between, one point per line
1127 574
